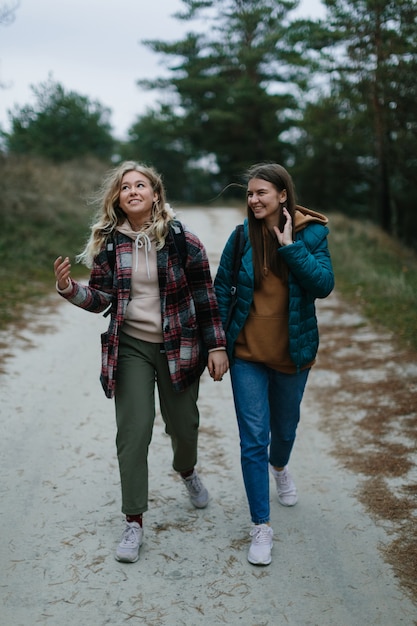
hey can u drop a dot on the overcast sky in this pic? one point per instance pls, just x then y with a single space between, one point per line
91 47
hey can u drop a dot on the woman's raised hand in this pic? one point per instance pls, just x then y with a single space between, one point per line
62 269
285 237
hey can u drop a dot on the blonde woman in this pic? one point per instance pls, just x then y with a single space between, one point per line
153 277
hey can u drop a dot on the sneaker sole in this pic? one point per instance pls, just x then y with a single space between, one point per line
125 559
287 503
122 559
260 562
197 505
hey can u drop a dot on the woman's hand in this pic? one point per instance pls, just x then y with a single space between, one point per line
285 237
218 364
62 269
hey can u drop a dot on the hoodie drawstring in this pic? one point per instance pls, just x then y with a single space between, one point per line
142 240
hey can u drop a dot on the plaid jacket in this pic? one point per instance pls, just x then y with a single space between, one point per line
191 322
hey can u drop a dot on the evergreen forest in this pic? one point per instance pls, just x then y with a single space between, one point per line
331 99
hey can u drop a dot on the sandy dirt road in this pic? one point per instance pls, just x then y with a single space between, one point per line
60 501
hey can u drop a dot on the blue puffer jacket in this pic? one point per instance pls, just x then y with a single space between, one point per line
310 277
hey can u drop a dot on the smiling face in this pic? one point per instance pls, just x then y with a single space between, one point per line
136 198
264 200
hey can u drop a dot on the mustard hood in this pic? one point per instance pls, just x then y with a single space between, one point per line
304 216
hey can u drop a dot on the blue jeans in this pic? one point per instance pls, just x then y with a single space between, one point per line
267 406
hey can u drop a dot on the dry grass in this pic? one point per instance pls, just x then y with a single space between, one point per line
372 419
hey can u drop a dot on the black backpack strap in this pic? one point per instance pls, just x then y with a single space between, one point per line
239 244
180 241
111 251
111 260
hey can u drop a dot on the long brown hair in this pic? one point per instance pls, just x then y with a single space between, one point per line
265 244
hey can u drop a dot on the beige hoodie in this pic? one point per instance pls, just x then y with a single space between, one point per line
143 314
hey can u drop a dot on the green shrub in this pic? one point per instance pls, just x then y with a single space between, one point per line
44 213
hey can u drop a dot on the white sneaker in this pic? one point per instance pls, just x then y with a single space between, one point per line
128 549
198 493
261 545
286 490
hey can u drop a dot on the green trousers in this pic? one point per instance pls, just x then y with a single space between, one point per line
140 365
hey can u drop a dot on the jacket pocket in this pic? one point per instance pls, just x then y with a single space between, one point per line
190 351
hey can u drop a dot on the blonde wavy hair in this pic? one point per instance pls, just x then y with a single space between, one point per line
109 215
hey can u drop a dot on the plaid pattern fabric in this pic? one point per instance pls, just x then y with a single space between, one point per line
191 322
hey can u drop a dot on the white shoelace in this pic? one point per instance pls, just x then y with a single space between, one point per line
194 484
130 535
261 534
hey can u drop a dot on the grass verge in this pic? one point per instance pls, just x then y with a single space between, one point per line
376 273
44 213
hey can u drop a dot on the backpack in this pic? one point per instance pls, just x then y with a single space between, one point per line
239 244
180 244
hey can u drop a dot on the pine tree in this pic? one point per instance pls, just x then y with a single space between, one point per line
235 85
372 61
